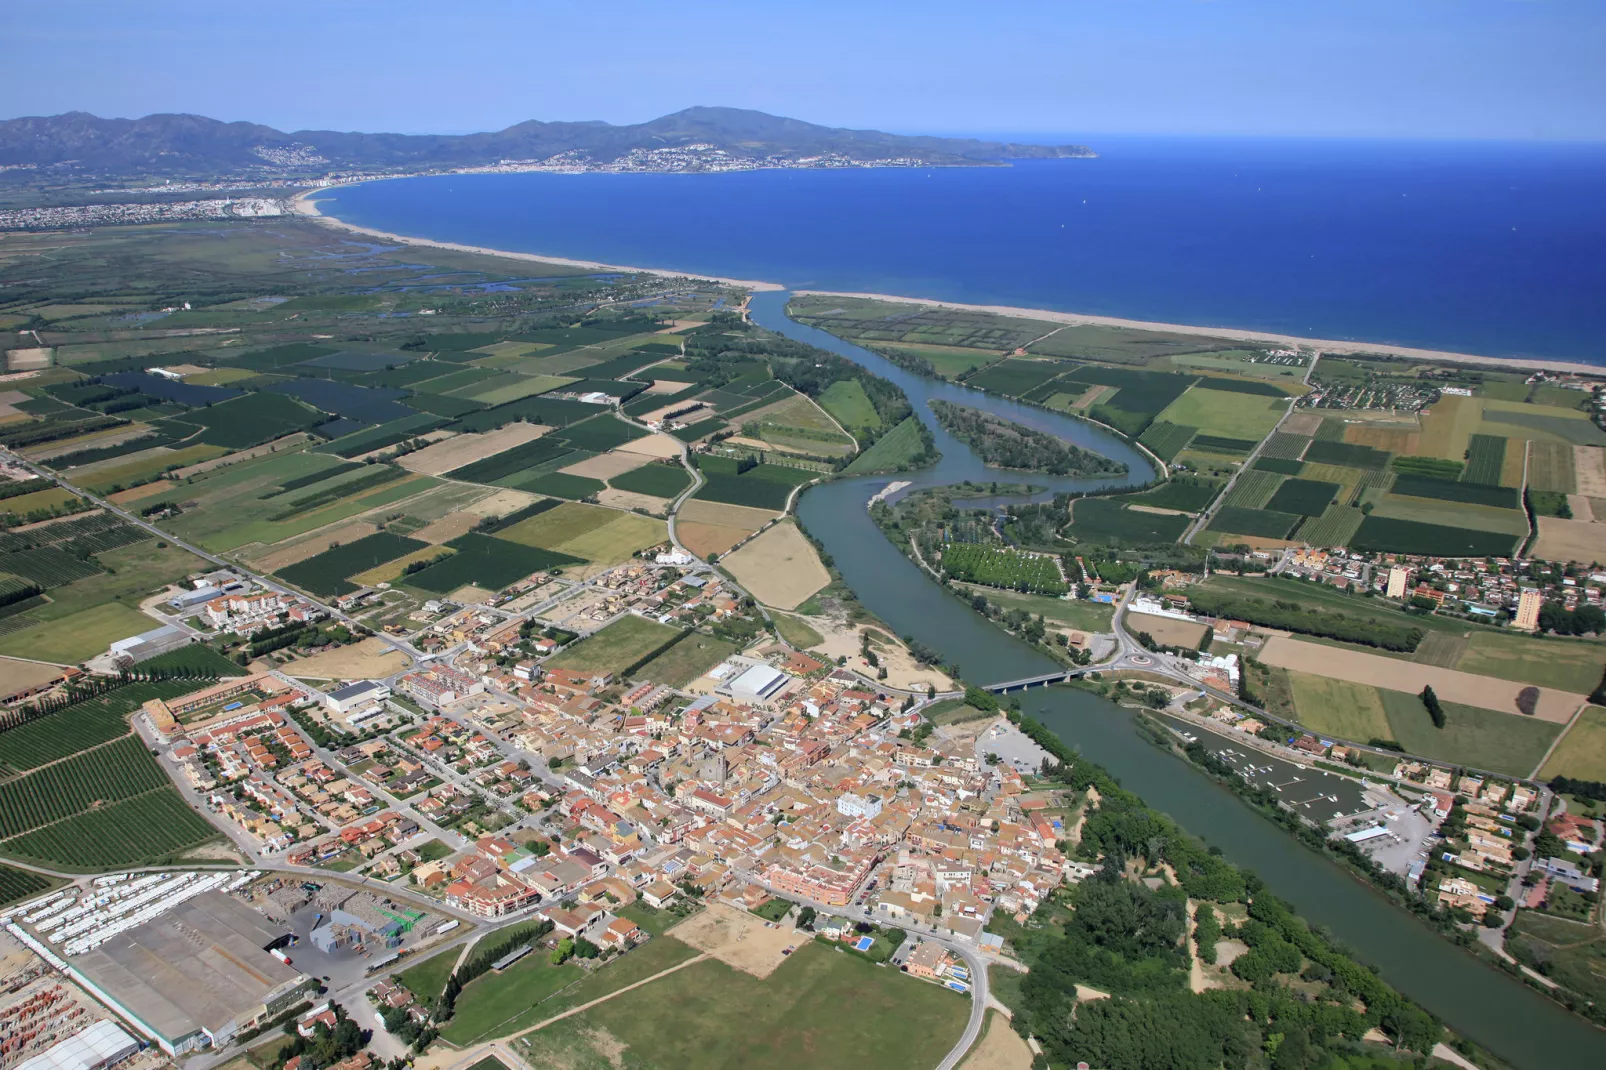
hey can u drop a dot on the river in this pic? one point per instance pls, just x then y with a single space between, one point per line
1474 999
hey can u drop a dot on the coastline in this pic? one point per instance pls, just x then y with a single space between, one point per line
306 206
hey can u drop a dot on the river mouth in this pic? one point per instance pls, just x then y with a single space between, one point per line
1472 998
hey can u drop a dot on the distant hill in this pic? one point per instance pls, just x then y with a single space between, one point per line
78 142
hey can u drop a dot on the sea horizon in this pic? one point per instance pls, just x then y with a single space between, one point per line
1498 255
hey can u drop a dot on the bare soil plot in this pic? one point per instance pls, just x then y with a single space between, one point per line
459 450
665 386
659 445
1447 428
739 939
141 492
1000 1048
1092 396
1582 508
628 499
780 567
736 516
27 360
605 466
187 370
470 595
705 539
1589 469
1166 630
903 671
8 402
1570 540
1393 439
447 527
391 571
502 503
370 659
702 411
1303 423
281 556
1451 685
18 675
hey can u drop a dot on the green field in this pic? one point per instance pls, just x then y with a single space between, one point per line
149 829
1306 497
1183 492
1100 520
1482 739
686 660
325 573
510 461
1581 754
797 631
1386 534
615 647
1002 566
427 978
1335 527
484 1008
658 480
820 1009
847 402
1551 467
1258 523
1572 954
1078 614
768 486
892 451
1486 455
1285 447
1339 709
1228 413
1252 489
72 639
560 485
19 884
487 562
197 659
1167 439
246 421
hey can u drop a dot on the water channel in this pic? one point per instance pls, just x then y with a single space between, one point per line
1477 1000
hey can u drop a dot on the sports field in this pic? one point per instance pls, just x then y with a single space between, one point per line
616 647
1581 754
819 1011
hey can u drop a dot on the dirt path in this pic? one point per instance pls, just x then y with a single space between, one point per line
1196 977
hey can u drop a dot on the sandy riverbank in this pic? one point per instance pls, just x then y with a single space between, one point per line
306 205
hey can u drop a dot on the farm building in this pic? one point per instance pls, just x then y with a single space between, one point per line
195 976
146 645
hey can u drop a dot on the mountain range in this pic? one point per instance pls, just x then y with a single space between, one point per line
77 142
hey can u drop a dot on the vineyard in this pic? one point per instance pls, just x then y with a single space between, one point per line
18 884
146 829
106 774
49 567
93 721
998 566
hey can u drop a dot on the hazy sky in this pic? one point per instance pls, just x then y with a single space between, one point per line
1439 68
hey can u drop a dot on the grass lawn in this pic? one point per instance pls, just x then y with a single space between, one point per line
488 1006
655 956
1582 751
950 362
796 630
651 919
1566 664
617 540
614 647
1078 614
427 979
490 1062
819 1009
1339 708
1482 739
75 638
686 660
568 521
1226 413
846 400
954 711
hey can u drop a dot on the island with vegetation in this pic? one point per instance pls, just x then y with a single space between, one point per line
1006 444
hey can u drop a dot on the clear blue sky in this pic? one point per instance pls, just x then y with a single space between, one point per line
1393 68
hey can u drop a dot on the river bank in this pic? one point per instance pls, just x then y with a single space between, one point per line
305 205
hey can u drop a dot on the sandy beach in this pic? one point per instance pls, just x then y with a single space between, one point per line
306 204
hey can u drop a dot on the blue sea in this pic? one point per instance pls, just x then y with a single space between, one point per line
1490 248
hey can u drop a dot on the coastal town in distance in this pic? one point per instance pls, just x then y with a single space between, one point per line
417 653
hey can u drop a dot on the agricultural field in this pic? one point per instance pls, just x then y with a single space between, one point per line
1550 467
1073 614
847 402
1100 521
686 660
1167 439
796 423
84 724
326 574
1257 523
152 828
600 536
819 1010
1015 377
1339 709
655 479
1306 497
1186 493
1412 537
113 771
1474 737
779 568
1335 527
616 647
1566 664
1001 566
487 562
1226 413
1252 489
19 884
768 486
893 451
1581 754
